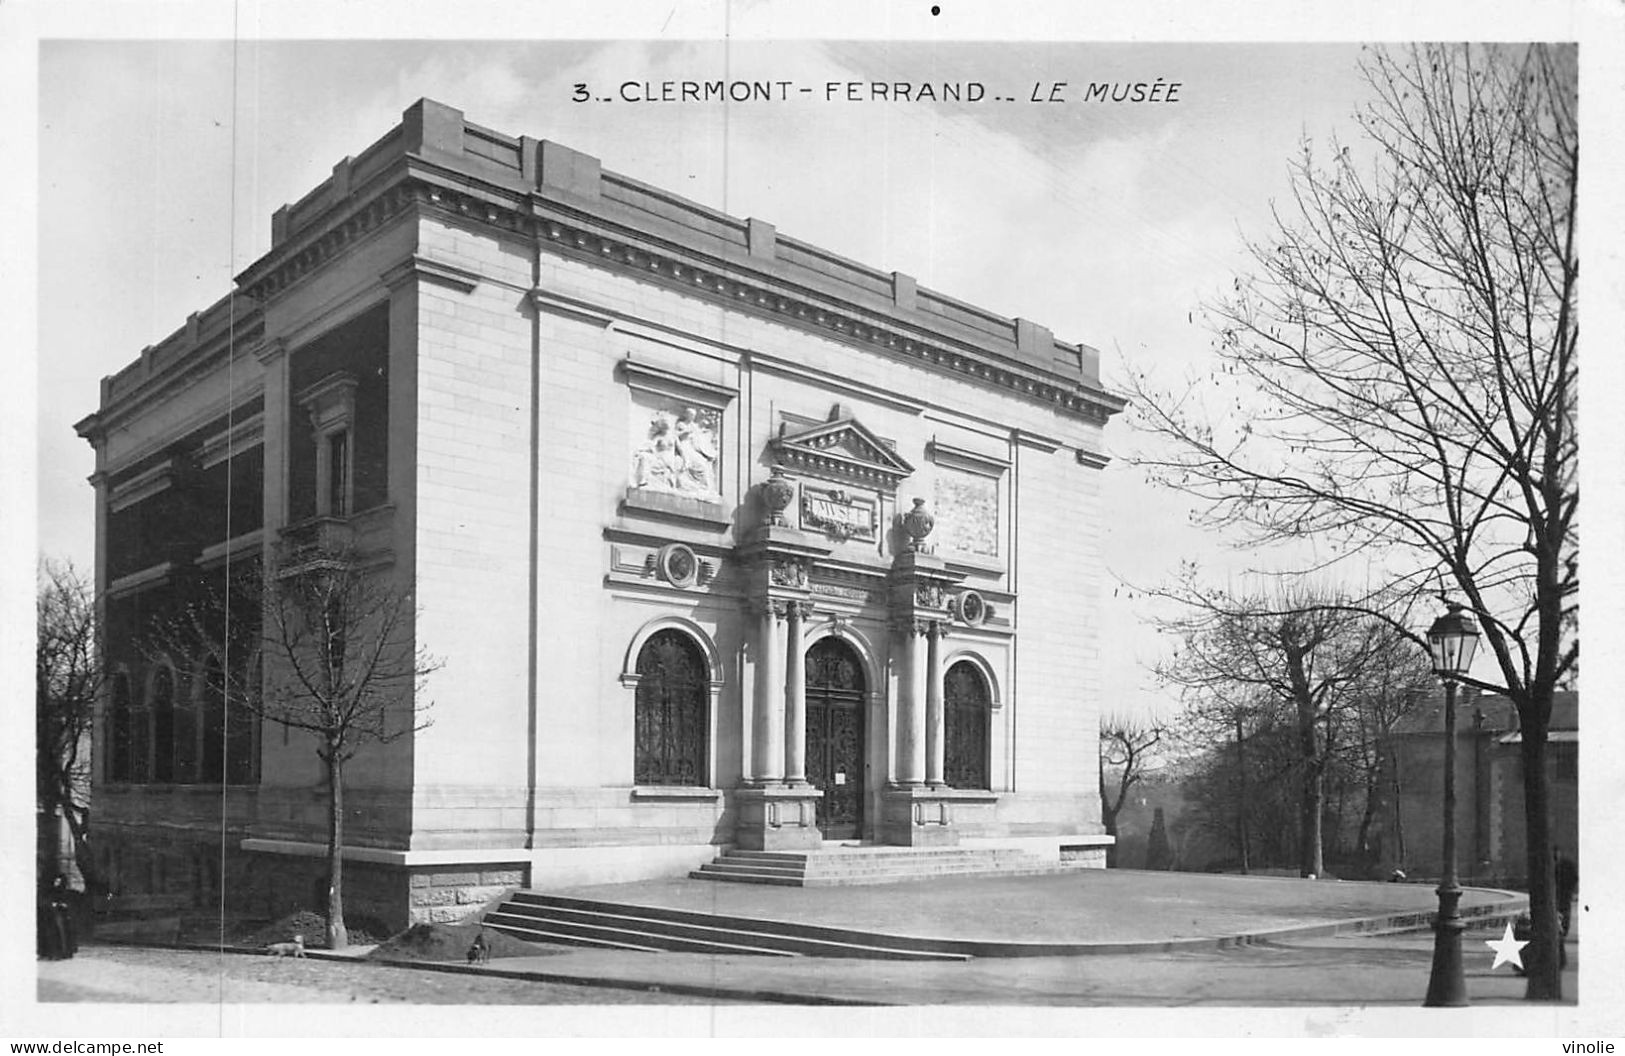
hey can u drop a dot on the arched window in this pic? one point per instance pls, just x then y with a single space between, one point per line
242 733
118 729
210 696
162 700
141 740
671 720
967 708
186 736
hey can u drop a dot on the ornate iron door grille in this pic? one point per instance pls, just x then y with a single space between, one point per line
835 736
967 708
671 708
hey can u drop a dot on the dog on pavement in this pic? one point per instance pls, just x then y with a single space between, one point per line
296 948
480 952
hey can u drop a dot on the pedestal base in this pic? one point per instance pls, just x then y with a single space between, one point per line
777 818
917 817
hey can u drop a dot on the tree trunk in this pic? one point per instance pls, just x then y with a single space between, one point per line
338 937
1541 955
1309 821
1241 802
1399 809
1108 815
1373 796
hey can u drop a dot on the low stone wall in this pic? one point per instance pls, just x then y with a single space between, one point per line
184 868
445 896
1083 857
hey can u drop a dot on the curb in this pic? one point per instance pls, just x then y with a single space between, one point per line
604 982
1509 903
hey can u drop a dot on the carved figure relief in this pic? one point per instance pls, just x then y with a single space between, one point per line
788 572
678 452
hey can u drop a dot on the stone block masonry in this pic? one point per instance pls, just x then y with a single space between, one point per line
592 387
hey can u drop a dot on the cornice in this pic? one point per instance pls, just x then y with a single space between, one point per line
578 235
962 458
1093 459
286 265
428 269
95 427
763 295
650 378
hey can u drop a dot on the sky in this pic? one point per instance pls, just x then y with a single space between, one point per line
162 161
148 144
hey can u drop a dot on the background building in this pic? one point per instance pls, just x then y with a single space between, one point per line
1490 829
724 541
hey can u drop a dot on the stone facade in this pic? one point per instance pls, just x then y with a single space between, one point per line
701 518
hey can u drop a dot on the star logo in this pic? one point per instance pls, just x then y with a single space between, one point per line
1506 949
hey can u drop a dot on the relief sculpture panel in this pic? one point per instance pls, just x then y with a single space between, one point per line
675 448
967 512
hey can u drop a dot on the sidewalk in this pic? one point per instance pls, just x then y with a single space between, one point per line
1161 939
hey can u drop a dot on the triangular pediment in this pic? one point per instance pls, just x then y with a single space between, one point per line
842 448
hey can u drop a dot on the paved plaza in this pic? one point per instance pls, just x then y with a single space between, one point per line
1092 908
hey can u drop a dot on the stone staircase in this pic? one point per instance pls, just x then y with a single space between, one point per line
841 866
537 917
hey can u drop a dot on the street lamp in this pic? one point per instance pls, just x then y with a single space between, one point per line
1452 640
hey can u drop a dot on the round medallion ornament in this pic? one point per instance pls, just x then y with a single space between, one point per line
918 523
971 607
777 492
678 565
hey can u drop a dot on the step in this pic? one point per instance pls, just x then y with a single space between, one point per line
616 936
643 927
743 930
629 925
748 876
754 866
832 868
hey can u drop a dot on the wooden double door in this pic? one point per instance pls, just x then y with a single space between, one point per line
836 755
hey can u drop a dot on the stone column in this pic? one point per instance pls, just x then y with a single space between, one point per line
934 728
795 695
768 717
911 708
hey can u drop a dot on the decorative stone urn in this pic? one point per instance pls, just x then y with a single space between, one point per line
777 493
917 523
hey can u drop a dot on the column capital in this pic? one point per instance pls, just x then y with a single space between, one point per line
777 607
910 626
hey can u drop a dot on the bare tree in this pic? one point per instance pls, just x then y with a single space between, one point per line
68 678
1303 650
335 635
1127 753
1390 688
1399 372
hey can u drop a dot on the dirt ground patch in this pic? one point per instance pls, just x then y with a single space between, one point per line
450 942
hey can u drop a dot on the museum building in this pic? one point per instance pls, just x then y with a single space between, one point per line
722 540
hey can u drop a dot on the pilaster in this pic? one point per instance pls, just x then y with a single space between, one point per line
916 806
777 807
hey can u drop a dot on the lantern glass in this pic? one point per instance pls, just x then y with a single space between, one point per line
1453 640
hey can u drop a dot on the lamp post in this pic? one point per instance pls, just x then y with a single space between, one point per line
1452 640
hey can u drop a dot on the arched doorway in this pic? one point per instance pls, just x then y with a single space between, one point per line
835 736
670 712
968 707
